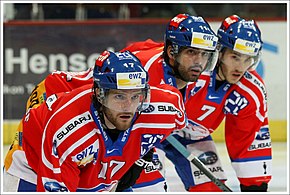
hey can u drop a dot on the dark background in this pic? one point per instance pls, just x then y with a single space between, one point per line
88 29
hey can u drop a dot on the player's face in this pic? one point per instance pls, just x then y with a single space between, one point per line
234 65
192 62
120 107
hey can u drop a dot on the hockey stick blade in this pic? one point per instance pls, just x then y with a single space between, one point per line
177 145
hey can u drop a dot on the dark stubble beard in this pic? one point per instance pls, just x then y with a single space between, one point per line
183 74
114 120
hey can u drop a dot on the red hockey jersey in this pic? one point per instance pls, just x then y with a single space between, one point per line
244 107
69 150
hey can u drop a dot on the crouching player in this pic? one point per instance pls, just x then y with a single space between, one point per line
88 139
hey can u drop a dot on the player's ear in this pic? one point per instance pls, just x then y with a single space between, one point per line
221 51
96 91
170 52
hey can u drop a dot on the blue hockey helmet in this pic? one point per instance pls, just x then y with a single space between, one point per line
120 70
190 31
240 35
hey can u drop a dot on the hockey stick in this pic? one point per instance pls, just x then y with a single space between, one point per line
177 145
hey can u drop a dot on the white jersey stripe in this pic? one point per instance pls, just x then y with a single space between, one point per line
256 99
153 125
253 168
181 106
180 122
76 144
150 62
43 157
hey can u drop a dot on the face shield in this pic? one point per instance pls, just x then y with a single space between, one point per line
212 57
202 47
124 100
128 93
251 49
242 62
207 59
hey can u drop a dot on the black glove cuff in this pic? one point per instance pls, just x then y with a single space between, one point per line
253 188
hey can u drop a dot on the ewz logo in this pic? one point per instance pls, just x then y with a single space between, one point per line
135 76
87 155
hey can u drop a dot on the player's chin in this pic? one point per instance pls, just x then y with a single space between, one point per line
234 79
125 120
123 125
193 77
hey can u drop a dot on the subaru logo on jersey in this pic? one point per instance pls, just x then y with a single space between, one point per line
257 82
208 158
74 124
234 103
168 108
263 134
148 141
150 108
50 101
262 140
54 187
248 75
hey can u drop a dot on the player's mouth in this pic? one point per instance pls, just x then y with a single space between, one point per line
195 71
237 75
126 116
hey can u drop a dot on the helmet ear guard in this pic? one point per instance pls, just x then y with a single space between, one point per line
100 94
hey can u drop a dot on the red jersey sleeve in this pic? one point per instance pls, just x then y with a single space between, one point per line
247 131
57 82
177 101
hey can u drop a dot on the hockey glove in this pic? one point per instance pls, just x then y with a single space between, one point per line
195 132
131 176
